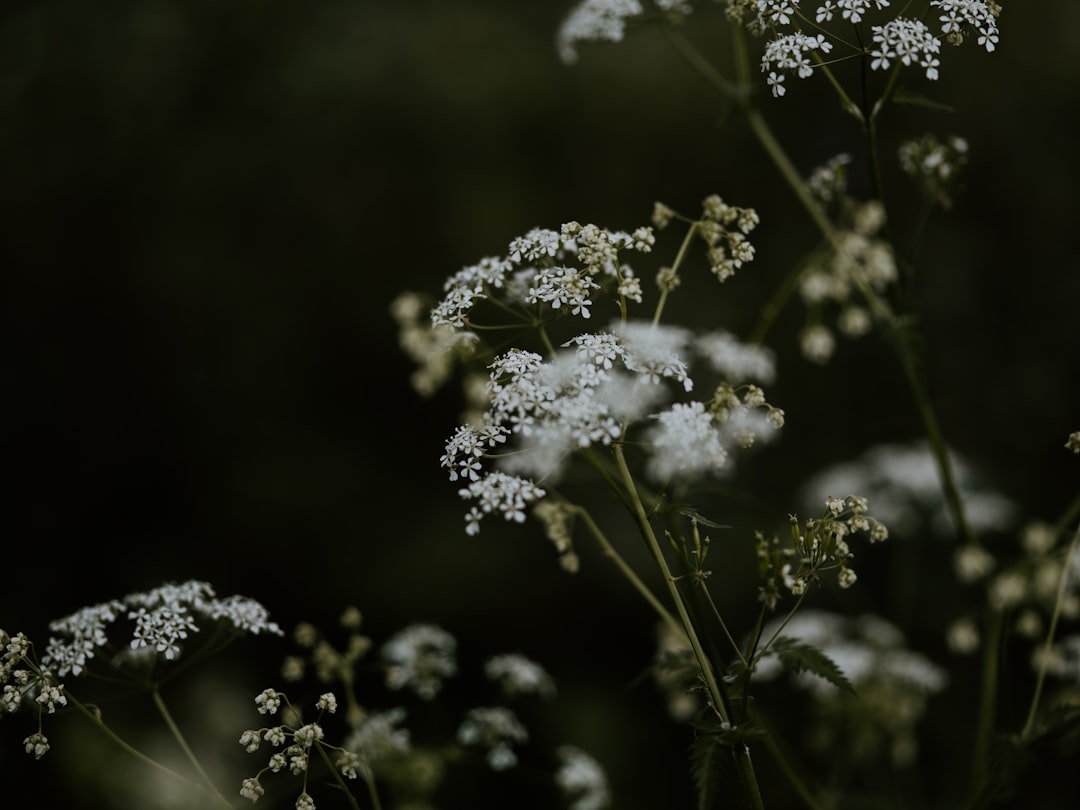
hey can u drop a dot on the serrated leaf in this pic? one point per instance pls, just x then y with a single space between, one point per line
713 769
797 656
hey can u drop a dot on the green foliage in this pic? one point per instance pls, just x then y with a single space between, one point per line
797 656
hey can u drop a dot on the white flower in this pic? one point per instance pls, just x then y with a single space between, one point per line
494 728
738 362
517 674
268 701
378 735
420 657
686 442
251 789
909 41
655 352
36 744
498 492
581 779
594 21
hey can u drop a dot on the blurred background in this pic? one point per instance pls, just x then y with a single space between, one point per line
206 208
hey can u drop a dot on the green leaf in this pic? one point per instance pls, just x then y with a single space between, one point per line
913 99
797 656
714 771
692 513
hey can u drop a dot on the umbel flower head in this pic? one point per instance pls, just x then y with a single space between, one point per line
537 410
158 621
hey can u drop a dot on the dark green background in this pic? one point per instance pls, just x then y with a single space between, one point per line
206 207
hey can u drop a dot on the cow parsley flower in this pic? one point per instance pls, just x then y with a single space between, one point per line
686 442
517 675
909 41
420 657
581 779
162 618
594 21
496 729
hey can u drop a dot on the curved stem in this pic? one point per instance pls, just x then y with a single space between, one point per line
988 702
1044 661
716 696
630 574
163 710
94 716
341 782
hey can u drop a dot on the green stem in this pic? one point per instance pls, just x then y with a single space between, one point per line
649 535
680 256
630 574
94 716
937 441
743 761
786 768
987 706
179 737
1048 645
341 782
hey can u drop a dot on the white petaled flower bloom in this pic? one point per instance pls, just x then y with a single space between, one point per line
379 735
686 442
655 352
909 41
594 21
517 674
791 53
498 492
420 657
563 287
78 637
327 702
305 802
581 779
736 360
162 618
817 343
975 14
161 629
496 729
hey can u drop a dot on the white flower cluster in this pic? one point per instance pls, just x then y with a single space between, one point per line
518 675
903 483
537 411
495 729
582 780
865 647
1029 588
295 743
894 683
934 164
857 266
907 41
605 21
420 657
561 269
163 617
25 683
